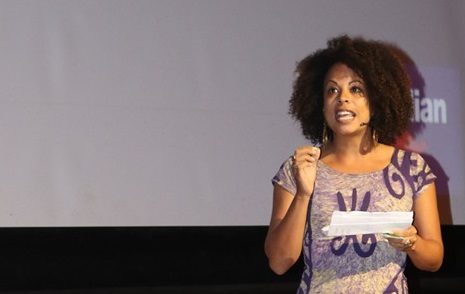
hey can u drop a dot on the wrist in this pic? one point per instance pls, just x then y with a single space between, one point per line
303 195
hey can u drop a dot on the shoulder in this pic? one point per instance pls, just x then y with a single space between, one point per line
408 157
415 168
285 177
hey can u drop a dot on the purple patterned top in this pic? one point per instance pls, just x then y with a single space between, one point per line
357 263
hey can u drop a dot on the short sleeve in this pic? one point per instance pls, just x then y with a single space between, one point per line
285 178
422 175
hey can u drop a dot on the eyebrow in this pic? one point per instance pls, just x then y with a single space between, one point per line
351 82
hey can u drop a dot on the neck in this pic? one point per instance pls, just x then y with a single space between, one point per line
353 146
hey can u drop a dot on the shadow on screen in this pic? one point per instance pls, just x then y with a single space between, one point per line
407 140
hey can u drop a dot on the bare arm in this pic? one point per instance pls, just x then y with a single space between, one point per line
283 244
426 250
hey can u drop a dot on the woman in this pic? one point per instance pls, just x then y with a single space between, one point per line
353 100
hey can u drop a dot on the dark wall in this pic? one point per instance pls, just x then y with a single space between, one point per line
163 257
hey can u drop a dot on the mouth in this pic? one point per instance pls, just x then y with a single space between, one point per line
344 115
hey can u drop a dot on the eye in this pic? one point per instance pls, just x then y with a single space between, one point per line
356 90
332 90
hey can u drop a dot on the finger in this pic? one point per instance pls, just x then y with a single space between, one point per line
397 246
405 244
305 159
316 152
410 231
309 154
396 243
408 245
311 150
305 148
302 166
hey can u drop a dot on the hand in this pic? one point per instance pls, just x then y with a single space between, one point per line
404 240
304 163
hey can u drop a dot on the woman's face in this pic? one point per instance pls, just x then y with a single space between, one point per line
346 104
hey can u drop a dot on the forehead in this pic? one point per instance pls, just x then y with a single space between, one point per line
341 72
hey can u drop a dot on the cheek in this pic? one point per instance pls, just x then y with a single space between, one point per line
329 105
365 107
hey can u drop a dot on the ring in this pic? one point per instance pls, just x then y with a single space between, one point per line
408 243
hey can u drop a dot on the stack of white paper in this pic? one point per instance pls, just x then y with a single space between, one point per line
364 222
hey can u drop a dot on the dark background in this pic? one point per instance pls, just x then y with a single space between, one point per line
171 260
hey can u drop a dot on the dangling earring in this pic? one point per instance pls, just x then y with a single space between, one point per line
374 136
325 138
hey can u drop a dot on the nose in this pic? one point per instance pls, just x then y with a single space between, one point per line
342 98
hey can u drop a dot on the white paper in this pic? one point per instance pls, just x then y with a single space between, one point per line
364 222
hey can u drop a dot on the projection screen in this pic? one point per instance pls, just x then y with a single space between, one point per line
174 113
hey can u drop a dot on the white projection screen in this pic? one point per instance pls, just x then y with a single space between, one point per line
174 113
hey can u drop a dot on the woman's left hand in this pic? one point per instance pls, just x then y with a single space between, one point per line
404 240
